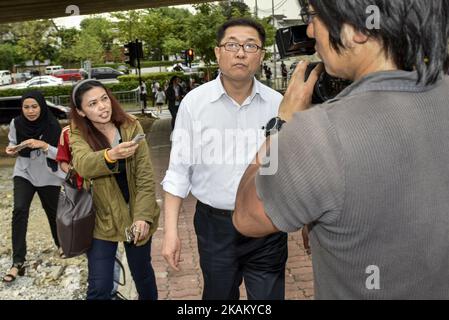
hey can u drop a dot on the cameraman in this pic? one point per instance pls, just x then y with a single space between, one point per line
368 171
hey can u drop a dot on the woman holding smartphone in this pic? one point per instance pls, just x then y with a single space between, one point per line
123 188
33 139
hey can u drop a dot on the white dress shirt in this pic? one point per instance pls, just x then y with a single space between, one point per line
214 141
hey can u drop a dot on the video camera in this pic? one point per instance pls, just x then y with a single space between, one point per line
293 41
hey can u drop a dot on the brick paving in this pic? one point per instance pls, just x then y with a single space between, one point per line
187 283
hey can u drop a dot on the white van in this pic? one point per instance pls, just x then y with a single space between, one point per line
51 69
5 77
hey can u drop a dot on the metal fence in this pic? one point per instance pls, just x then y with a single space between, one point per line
124 97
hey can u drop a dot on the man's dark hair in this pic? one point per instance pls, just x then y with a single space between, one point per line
245 22
414 33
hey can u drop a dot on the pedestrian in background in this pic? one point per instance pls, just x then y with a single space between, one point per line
174 93
36 170
160 99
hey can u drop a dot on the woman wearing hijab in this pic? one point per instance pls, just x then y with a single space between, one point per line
33 138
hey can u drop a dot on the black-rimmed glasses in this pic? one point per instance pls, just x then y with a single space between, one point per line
307 15
235 47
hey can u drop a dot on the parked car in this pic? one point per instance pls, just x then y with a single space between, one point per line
5 77
180 67
10 107
69 74
105 73
52 69
41 81
22 76
123 69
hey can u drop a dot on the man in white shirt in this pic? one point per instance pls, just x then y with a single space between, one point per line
218 132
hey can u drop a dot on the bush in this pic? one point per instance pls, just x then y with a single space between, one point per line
143 64
66 90
160 77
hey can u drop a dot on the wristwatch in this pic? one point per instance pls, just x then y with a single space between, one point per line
273 126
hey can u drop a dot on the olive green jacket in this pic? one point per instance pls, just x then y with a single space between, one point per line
112 212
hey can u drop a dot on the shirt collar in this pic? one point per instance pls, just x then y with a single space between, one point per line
220 90
399 80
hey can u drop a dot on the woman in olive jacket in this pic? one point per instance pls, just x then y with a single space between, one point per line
123 188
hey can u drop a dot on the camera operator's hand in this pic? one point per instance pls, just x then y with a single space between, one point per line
298 96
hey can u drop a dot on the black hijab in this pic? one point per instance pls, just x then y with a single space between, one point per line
45 128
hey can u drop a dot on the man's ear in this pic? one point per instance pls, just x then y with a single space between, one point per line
80 112
217 54
359 37
262 56
350 36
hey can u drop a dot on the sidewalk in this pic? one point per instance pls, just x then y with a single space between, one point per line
187 284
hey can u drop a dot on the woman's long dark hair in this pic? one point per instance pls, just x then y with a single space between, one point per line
92 135
414 33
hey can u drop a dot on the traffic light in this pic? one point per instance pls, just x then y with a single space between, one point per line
131 53
190 55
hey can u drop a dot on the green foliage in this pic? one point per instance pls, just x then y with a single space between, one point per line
87 47
235 9
66 90
128 24
68 38
101 28
150 77
201 30
143 64
173 46
37 40
9 56
163 31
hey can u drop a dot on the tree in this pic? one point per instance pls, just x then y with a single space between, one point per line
201 30
10 32
173 46
155 27
9 56
67 39
101 28
38 41
235 9
128 25
88 47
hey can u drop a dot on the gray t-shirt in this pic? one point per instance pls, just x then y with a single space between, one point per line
370 171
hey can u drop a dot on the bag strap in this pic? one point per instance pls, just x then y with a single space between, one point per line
123 272
71 174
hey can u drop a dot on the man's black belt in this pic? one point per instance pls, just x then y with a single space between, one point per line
213 210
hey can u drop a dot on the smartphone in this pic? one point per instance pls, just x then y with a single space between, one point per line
139 137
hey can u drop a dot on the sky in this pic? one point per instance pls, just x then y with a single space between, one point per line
289 8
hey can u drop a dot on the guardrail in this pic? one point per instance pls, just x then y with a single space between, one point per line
122 96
